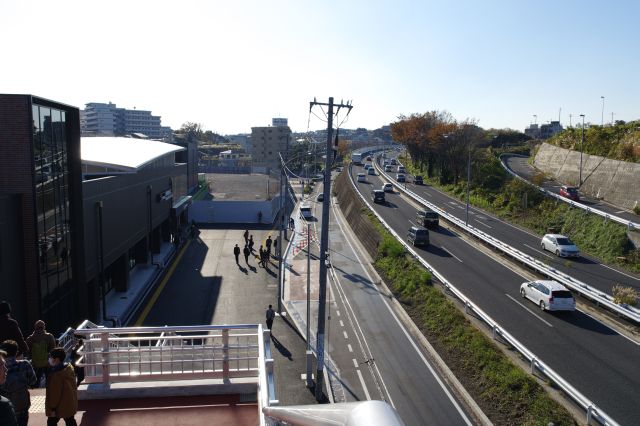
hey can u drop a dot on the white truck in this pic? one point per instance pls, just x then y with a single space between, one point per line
356 158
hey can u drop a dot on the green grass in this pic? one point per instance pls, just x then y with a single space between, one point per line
506 394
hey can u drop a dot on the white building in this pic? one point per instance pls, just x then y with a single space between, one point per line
102 119
267 143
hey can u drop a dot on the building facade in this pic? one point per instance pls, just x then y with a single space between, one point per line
100 119
267 145
543 131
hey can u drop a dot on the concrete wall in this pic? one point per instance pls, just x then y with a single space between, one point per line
617 182
224 211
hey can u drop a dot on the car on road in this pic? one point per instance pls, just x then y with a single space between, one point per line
362 177
427 217
388 168
305 211
367 166
320 196
387 187
401 169
561 245
418 236
385 163
393 162
570 192
549 295
401 178
417 180
371 171
377 196
369 159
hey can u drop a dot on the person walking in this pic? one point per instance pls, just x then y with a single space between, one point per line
271 314
246 237
62 394
40 343
261 256
260 216
246 252
236 253
9 328
7 415
268 244
251 243
292 224
20 377
275 248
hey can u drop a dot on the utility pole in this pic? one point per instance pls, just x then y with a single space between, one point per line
581 149
324 244
602 116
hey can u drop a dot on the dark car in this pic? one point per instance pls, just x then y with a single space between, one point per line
418 236
570 192
428 218
418 180
377 196
400 177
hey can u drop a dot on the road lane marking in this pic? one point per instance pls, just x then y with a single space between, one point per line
338 313
349 347
364 387
620 211
527 309
407 335
355 363
345 334
616 331
482 223
341 323
156 294
541 252
620 272
445 249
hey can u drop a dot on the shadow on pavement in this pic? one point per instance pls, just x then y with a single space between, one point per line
281 348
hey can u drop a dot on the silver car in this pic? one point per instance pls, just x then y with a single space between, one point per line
549 295
561 245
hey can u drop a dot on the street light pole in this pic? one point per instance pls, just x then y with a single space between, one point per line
466 222
581 149
602 117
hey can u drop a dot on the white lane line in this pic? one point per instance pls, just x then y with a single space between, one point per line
445 249
626 275
527 309
482 223
621 211
337 313
541 252
349 347
344 333
355 363
341 323
409 338
364 387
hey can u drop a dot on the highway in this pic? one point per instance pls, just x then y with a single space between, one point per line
375 356
598 361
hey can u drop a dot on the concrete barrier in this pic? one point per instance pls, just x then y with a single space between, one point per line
611 180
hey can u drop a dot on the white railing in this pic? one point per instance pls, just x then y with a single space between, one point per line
629 224
582 288
592 411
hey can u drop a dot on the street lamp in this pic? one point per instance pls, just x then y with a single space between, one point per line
602 117
466 221
581 149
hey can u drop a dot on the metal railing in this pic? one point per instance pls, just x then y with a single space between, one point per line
580 287
629 224
592 411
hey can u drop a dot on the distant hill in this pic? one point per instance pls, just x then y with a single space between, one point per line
618 142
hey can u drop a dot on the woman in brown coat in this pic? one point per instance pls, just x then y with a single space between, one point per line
62 396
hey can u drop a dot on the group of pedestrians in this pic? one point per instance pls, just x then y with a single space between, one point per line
264 254
18 374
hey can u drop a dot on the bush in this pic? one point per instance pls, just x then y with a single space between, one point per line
636 209
623 295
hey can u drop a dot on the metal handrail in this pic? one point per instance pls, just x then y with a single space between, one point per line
541 267
629 224
593 412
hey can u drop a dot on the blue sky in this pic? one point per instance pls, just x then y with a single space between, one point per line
233 65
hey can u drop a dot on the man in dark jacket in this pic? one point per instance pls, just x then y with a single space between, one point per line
40 343
7 415
9 328
20 377
62 394
236 253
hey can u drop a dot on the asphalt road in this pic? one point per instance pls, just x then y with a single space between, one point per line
374 355
594 358
519 165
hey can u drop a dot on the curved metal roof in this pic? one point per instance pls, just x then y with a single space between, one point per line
126 154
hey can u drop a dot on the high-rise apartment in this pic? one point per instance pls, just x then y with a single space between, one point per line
101 119
268 143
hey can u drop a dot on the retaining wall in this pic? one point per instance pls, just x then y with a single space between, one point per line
617 182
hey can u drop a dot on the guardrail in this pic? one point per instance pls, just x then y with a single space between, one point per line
593 412
580 287
629 224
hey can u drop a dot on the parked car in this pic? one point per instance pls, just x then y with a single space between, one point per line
561 245
305 211
400 177
570 192
549 295
417 180
388 168
362 177
401 169
377 196
418 236
427 217
387 187
320 196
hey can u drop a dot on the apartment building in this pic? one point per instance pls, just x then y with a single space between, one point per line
100 119
268 143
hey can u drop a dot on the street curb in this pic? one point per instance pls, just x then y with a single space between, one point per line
475 410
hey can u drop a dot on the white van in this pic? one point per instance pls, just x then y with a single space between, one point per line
305 211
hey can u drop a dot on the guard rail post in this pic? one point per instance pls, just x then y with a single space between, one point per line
104 340
225 351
